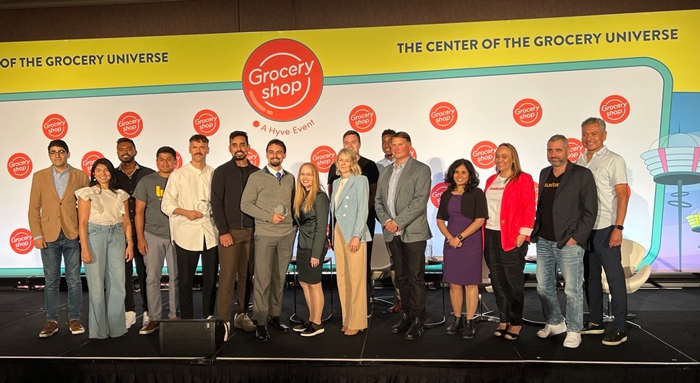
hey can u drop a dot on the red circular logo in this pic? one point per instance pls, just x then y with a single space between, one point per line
436 193
129 124
253 157
362 118
323 157
21 241
443 115
484 154
55 127
614 109
527 112
178 160
282 80
537 190
206 122
576 149
413 152
19 165
88 159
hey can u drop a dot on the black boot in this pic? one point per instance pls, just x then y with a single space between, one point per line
402 325
469 330
415 331
456 326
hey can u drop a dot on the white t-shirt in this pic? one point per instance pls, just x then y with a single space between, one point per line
106 206
494 196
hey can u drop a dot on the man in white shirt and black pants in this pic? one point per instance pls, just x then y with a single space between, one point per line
610 174
186 202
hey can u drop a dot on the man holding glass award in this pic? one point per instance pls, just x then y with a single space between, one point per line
268 198
186 202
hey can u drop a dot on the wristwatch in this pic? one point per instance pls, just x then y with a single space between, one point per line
459 236
619 227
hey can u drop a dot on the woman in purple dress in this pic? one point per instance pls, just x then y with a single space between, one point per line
463 207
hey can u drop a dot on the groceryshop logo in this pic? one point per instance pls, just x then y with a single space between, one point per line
55 127
484 154
323 157
206 122
362 118
527 112
443 115
576 149
282 80
436 193
89 159
178 160
21 241
253 157
129 124
19 165
614 109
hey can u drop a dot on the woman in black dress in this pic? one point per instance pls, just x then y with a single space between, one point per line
311 215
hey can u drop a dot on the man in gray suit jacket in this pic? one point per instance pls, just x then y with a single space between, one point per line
401 202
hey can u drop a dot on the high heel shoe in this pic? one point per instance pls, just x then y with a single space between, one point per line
343 329
350 332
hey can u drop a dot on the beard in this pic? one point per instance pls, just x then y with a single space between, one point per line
239 155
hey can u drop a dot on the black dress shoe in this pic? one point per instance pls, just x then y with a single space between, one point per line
261 334
402 325
456 326
277 324
468 332
415 331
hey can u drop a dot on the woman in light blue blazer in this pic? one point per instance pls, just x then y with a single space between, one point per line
349 209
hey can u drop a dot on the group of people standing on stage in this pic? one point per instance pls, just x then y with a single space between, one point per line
243 222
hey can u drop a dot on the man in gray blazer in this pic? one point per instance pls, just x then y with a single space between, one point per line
401 202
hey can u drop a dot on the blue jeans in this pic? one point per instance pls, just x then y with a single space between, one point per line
69 249
570 261
105 277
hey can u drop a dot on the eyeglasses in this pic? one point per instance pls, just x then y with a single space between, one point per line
54 152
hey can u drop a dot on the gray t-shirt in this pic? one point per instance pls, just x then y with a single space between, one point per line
150 190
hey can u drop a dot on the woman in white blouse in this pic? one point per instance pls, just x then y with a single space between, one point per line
104 248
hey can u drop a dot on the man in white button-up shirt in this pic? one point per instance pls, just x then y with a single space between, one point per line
186 202
610 174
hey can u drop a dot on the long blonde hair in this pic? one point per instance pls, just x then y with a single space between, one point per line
303 200
350 155
517 170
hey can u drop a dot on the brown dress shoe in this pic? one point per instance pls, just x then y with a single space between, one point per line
75 327
150 328
50 328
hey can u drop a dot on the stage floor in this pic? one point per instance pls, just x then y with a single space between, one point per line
668 339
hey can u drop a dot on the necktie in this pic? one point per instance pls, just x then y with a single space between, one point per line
279 176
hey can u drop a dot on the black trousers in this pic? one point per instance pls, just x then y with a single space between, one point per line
129 304
600 256
408 262
507 276
186 268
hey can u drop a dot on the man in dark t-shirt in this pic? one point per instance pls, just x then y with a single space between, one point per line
566 211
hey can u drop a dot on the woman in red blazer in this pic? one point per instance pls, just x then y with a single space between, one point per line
510 195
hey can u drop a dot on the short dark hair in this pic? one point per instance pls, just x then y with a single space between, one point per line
403 135
352 133
199 138
473 175
388 132
113 183
275 141
237 133
166 149
124 139
59 143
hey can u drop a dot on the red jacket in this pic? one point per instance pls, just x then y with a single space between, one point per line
517 209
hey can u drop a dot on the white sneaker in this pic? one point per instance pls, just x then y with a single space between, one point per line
130 319
552 330
146 318
573 339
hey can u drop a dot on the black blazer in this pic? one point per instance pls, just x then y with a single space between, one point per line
575 205
312 228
